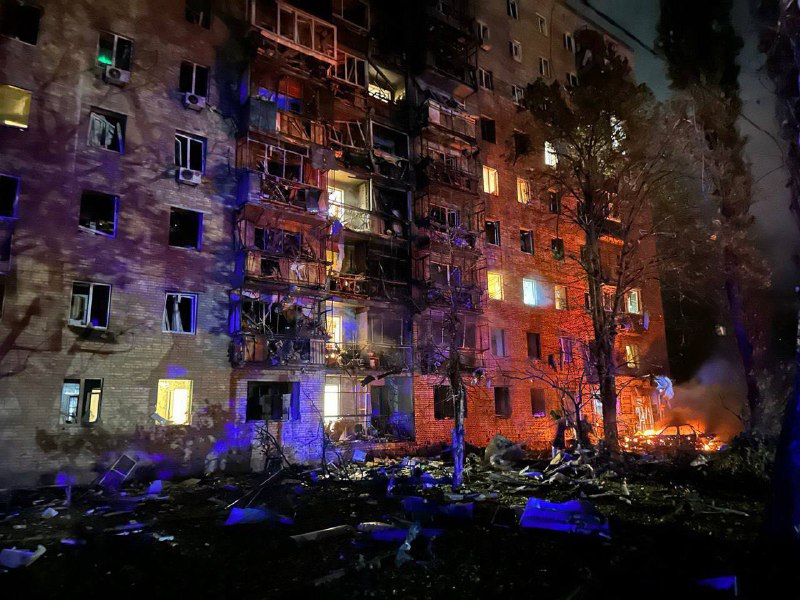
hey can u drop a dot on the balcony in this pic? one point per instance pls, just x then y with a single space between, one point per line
266 117
271 267
454 172
435 114
367 356
361 285
275 351
464 297
295 29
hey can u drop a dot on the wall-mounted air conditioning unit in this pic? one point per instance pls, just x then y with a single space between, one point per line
194 101
189 176
116 76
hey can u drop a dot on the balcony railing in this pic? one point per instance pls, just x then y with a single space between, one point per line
295 29
465 297
460 124
269 267
361 285
265 116
458 174
275 351
352 356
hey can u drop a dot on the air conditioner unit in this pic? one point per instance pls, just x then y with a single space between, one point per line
116 76
194 101
189 176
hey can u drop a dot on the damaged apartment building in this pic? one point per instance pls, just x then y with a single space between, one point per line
221 216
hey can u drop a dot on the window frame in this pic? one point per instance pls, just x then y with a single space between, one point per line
523 235
26 108
569 42
179 295
340 14
494 224
291 414
515 49
537 337
122 123
15 36
633 357
530 290
628 295
498 287
498 334
201 217
545 70
443 409
541 25
485 79
543 400
113 63
517 94
15 202
550 155
195 66
483 33
115 198
560 302
491 181
504 401
488 126
89 303
523 190
572 79
83 405
558 249
512 9
190 140
165 420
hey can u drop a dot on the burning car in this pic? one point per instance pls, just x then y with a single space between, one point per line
672 439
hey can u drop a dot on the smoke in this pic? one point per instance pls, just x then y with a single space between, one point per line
712 401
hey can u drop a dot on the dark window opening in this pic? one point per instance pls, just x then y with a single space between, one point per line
557 246
114 51
107 130
499 342
538 403
443 402
488 130
555 202
80 401
194 79
502 401
20 21
198 12
9 192
180 312
272 400
390 141
185 228
534 345
526 241
98 213
353 11
89 305
493 232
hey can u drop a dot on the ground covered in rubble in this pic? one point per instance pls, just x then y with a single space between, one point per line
646 529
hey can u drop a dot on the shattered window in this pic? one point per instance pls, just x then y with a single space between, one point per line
174 402
80 401
180 311
526 241
185 228
271 400
20 21
107 130
198 12
190 152
98 213
90 305
443 402
538 402
502 401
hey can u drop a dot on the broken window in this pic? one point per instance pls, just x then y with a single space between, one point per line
499 342
355 12
20 21
557 247
483 34
115 51
444 217
194 79
443 402
529 292
550 155
554 202
198 12
490 184
565 349
523 190
485 79
9 194
488 130
493 232
15 106
560 293
90 305
632 356
495 281
512 9
174 402
98 213
538 402
185 228
515 49
517 94
502 401
190 152
526 241
541 24
80 401
633 302
351 69
180 313
445 274
107 130
534 345
272 400
390 141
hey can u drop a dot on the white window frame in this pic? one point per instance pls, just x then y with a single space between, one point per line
632 356
350 78
523 190
190 141
484 34
569 42
517 94
80 404
572 79
628 295
512 8
165 320
515 48
544 67
499 288
485 77
339 4
491 183
87 311
117 38
541 24
529 292
195 66
550 155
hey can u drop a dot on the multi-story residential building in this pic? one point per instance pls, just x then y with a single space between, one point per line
223 216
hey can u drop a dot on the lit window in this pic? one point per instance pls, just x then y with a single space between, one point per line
529 292
114 51
180 313
335 329
560 292
80 401
89 305
485 79
550 156
523 190
569 42
331 402
98 213
544 67
490 183
495 281
633 302
512 9
632 356
515 49
517 94
190 152
15 106
541 24
174 402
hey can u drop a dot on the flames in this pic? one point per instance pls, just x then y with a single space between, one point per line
672 438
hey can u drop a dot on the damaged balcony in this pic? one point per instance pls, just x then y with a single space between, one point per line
289 29
434 337
449 281
265 115
277 330
449 221
369 269
362 341
362 206
440 116
280 175
379 411
278 252
439 164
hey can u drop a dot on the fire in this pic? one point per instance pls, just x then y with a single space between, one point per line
671 439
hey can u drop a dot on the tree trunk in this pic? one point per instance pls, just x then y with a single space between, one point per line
458 439
608 395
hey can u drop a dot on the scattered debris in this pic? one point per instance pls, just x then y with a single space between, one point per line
574 516
322 534
12 558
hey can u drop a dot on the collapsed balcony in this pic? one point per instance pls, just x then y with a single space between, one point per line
277 330
381 411
291 29
443 116
372 147
285 176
